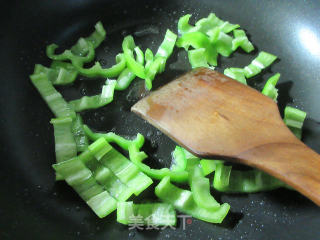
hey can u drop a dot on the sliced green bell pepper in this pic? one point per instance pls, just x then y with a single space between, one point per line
95 101
183 201
51 96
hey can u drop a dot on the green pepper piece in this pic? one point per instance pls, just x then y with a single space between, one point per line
103 175
83 51
133 146
78 176
156 214
241 40
124 79
236 74
269 88
128 47
98 36
65 145
204 25
95 101
79 135
97 71
76 60
51 96
208 166
183 201
234 181
179 160
58 75
166 47
163 53
294 119
200 188
197 58
155 67
262 61
126 171
148 55
199 40
224 44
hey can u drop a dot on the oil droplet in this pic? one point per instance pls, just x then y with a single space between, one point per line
124 33
149 133
131 234
154 144
83 91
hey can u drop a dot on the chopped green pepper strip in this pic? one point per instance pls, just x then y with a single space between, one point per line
200 188
155 67
183 201
199 40
103 175
294 119
248 181
179 160
64 142
77 60
83 51
236 74
148 55
139 55
96 101
262 61
191 160
58 75
241 40
97 71
155 214
205 24
166 47
158 64
197 58
136 67
78 176
133 146
65 145
98 36
208 166
224 44
125 170
184 26
124 79
137 157
79 135
270 89
51 96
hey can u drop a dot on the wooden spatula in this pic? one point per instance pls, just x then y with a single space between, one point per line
214 116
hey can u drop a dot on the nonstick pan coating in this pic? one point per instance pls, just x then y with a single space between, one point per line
34 206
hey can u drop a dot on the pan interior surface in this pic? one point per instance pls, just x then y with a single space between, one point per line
34 206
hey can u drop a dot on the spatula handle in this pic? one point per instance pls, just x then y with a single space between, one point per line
294 163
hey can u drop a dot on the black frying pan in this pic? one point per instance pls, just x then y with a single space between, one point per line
33 206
